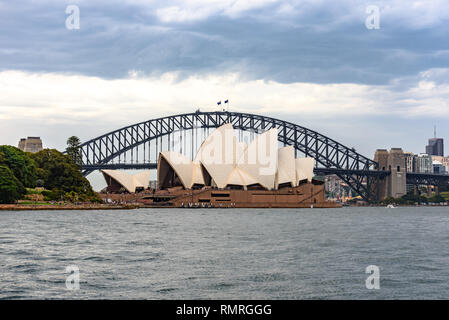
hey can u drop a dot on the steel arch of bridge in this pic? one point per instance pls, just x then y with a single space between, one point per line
358 171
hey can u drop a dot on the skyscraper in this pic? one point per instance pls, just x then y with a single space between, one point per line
435 146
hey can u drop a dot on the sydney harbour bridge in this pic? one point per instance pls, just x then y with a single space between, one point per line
137 146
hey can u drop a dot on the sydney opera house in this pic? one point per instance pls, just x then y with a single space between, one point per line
229 173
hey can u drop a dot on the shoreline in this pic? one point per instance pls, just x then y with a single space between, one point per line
32 207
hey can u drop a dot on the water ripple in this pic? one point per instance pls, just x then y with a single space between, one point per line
225 254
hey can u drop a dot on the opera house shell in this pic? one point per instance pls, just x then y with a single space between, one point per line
119 180
229 173
223 162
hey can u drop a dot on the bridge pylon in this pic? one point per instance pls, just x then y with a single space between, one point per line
394 184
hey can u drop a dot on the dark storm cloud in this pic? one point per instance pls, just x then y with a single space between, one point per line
303 43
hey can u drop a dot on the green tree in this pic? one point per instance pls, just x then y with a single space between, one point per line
11 189
20 163
74 150
58 171
437 198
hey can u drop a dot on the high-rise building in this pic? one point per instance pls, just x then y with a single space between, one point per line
30 144
435 146
410 162
424 163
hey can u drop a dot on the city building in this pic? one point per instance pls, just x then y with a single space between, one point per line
443 160
336 188
438 167
421 163
410 162
30 144
435 147
424 163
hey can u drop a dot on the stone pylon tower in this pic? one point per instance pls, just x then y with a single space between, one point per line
394 185
397 178
381 157
30 144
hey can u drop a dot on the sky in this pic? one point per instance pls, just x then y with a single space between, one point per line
319 64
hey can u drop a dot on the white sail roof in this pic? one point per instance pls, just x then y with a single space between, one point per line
241 147
128 181
239 177
235 178
218 154
197 174
142 179
259 161
304 169
286 166
229 162
189 172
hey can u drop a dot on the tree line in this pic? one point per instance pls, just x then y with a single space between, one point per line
60 174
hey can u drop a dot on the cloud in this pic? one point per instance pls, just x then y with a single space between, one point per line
67 98
284 41
188 11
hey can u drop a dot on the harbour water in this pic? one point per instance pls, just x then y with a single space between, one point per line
226 254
